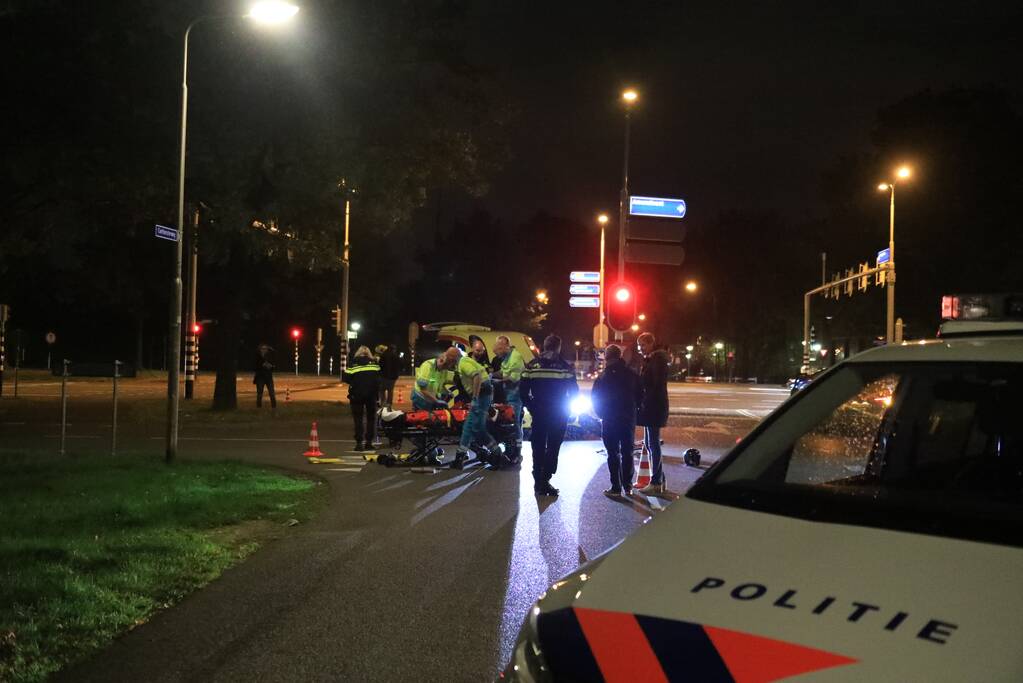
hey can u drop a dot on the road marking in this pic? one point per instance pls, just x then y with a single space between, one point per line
748 413
344 469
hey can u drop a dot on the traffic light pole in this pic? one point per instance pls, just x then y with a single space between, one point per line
890 280
345 266
832 285
623 199
191 337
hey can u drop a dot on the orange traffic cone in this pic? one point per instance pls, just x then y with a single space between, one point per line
643 473
314 444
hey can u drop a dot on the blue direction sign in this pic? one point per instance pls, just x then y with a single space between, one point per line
165 233
584 302
657 207
584 276
584 290
884 256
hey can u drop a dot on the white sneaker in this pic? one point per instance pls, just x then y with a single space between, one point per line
652 489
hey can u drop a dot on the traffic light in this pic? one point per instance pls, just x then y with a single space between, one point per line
196 328
295 333
335 319
621 307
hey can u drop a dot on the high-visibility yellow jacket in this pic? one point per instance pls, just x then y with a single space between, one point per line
430 378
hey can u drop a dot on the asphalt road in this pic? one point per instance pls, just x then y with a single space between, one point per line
405 576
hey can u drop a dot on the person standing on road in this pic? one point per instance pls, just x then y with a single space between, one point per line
363 379
264 377
509 368
390 368
476 382
548 386
653 411
617 394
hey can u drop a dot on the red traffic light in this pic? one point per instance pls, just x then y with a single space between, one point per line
621 307
295 333
196 328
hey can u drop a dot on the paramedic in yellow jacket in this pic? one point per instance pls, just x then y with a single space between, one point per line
510 366
433 376
476 381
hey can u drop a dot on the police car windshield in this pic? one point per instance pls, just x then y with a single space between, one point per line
926 447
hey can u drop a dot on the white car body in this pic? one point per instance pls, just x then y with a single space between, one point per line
722 592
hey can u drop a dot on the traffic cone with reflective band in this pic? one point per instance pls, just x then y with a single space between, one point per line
643 471
401 396
314 444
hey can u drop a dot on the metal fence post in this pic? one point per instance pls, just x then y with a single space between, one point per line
113 427
63 406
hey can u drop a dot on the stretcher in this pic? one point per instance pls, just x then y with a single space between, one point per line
429 431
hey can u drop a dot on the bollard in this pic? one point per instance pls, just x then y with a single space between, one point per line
113 419
287 394
63 406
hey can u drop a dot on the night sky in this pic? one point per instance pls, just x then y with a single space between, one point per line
763 117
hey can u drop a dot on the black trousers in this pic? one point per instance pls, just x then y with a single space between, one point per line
617 437
268 384
548 433
365 415
386 397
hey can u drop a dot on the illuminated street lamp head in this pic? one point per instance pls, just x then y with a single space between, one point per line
903 172
883 186
719 346
602 219
691 286
642 316
272 12
630 96
689 348
578 343
356 326
635 327
541 296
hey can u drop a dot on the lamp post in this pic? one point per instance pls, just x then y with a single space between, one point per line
902 173
346 310
267 12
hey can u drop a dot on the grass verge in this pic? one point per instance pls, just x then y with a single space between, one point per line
94 546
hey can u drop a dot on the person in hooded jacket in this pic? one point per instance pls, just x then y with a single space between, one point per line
390 368
616 395
363 379
547 388
653 411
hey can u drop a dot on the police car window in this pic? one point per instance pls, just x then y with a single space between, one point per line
841 444
931 447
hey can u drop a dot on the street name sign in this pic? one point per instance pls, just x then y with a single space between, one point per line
657 207
165 233
584 290
584 276
584 302
884 256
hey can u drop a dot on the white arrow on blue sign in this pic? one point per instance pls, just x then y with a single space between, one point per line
884 256
657 207
584 302
584 276
584 290
165 233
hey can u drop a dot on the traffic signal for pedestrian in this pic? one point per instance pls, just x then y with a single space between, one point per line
335 319
621 307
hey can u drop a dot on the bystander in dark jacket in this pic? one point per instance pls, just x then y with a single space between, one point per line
617 395
363 379
390 368
653 411
264 376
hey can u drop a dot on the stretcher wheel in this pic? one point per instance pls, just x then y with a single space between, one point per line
691 457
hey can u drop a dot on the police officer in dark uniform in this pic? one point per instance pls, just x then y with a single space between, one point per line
547 387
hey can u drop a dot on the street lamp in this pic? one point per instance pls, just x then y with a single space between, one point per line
691 287
266 12
635 327
541 296
629 98
356 326
642 316
902 173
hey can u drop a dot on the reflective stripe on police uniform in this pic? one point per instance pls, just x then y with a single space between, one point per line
354 369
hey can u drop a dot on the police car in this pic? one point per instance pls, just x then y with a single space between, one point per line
871 529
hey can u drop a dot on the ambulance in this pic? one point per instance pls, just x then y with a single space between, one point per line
870 529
